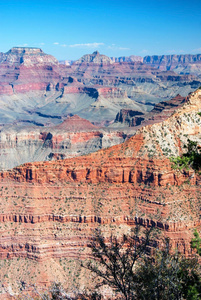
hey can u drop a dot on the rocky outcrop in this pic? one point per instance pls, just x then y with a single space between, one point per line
95 58
73 137
129 117
76 124
131 58
27 56
159 113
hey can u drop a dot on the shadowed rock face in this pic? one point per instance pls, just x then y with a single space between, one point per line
182 64
74 136
160 112
49 209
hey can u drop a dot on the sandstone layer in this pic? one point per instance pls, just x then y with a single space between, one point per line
49 209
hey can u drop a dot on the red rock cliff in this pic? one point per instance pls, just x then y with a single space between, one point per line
49 209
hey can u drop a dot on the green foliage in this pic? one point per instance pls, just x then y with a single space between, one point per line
117 260
199 113
180 162
193 293
168 276
126 266
196 242
191 159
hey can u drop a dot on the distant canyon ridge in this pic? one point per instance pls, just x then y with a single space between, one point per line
53 110
181 64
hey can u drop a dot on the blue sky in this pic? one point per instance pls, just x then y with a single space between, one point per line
69 29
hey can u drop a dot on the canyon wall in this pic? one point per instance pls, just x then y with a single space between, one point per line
94 87
159 113
181 64
50 209
74 136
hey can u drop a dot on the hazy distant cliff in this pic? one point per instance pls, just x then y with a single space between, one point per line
186 64
181 64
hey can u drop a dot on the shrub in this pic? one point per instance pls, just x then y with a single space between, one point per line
126 266
191 159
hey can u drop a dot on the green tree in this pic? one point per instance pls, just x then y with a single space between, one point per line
191 159
168 276
115 260
196 242
126 266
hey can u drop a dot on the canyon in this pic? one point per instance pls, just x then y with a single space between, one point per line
74 136
88 144
38 94
49 209
160 112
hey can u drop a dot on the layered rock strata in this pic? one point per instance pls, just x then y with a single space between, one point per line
181 64
36 88
159 113
49 209
74 136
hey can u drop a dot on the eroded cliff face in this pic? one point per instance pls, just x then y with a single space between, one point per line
49 209
152 145
27 56
35 87
159 113
95 57
73 137
182 64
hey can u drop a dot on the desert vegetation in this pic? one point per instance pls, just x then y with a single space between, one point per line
138 267
191 159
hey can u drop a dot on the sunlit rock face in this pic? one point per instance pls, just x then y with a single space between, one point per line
38 93
50 209
27 56
73 137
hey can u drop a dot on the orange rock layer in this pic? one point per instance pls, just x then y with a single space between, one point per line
50 209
